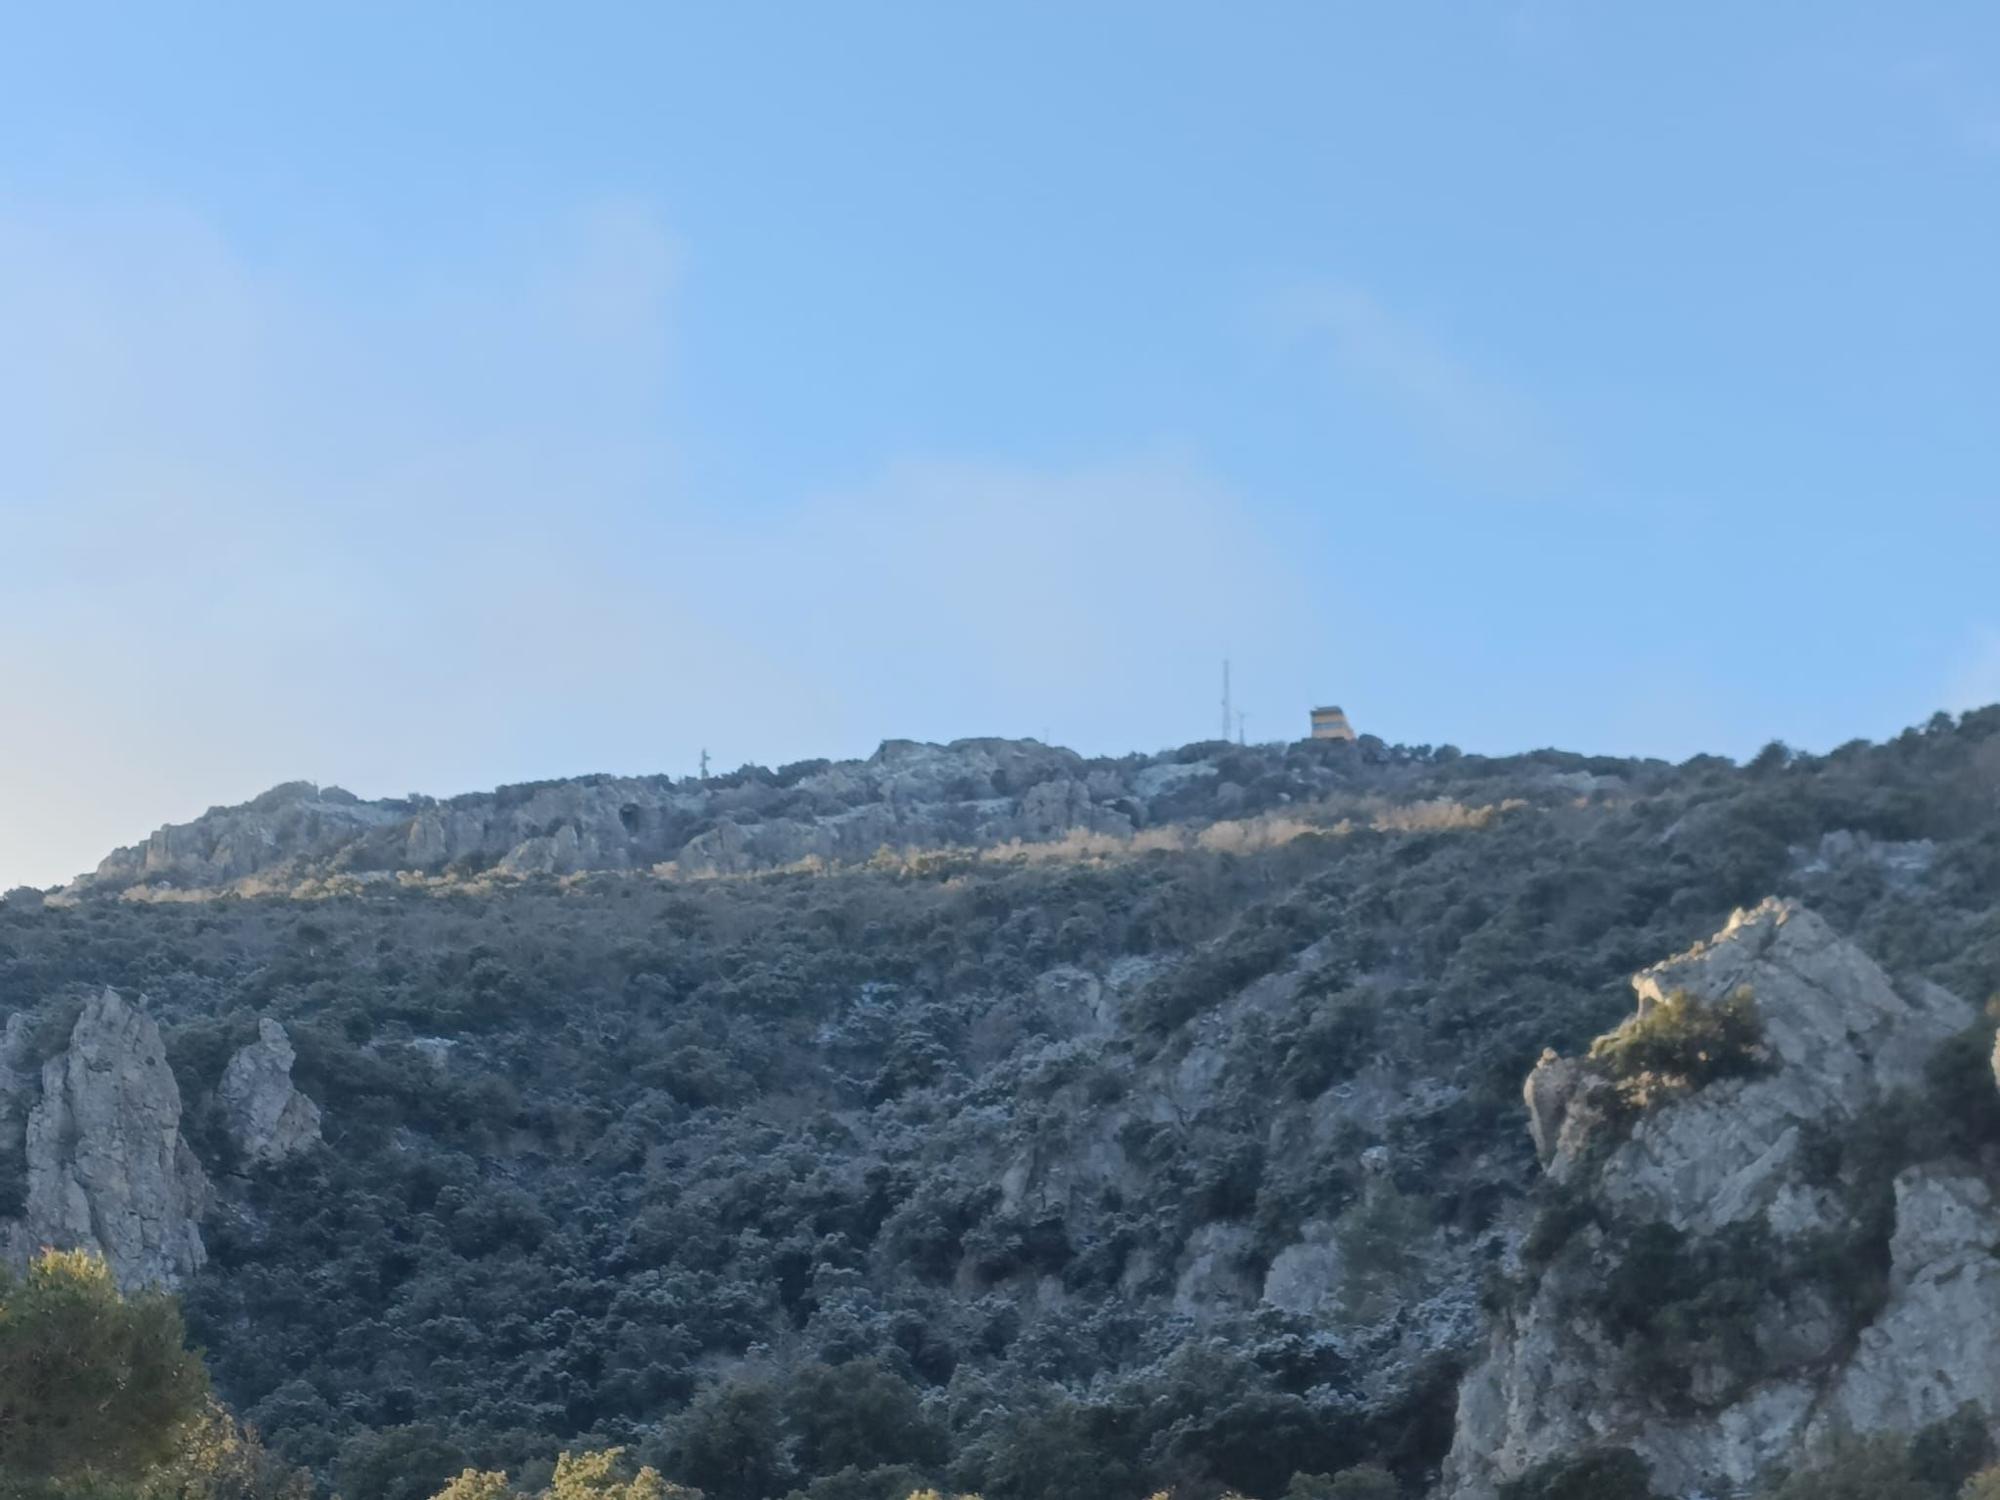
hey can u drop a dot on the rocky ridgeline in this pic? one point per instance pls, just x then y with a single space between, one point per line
907 796
1559 1376
94 1136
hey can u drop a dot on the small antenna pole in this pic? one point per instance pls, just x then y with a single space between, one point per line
704 762
1240 717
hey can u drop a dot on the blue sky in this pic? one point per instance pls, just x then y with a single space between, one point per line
421 397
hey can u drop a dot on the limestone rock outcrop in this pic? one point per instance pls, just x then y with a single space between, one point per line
1936 1344
1551 1095
1838 1036
906 796
268 1118
105 1165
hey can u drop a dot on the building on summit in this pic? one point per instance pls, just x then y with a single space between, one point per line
1331 724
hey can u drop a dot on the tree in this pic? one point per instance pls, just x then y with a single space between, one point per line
596 1475
95 1388
478 1484
728 1444
397 1463
858 1415
221 1459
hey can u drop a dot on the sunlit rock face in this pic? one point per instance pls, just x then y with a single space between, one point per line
1838 1036
1839 1033
907 796
268 1118
106 1167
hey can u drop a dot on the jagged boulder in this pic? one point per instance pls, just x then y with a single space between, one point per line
106 1167
268 1118
1837 1035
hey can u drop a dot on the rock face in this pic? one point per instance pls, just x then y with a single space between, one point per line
1730 1157
976 792
268 1118
1551 1095
1937 1342
106 1167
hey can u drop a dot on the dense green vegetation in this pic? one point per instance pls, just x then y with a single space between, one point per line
1951 1458
832 1184
101 1399
91 1386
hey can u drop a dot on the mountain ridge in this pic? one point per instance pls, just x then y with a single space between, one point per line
908 796
1192 1157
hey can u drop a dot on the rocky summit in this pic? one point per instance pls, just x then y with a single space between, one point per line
907 796
1299 1121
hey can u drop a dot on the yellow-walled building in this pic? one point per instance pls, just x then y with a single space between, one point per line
1331 724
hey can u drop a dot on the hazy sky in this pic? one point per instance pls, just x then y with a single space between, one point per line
427 396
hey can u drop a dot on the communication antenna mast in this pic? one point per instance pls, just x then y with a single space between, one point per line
1240 717
1228 718
704 762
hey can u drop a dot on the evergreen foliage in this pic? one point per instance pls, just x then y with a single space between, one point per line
713 1170
95 1388
1679 1043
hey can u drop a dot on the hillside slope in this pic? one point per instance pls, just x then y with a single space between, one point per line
1186 1155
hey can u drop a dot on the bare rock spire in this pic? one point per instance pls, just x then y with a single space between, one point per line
107 1169
268 1117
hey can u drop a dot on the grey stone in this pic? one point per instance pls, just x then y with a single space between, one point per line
108 1170
268 1118
1839 1036
972 793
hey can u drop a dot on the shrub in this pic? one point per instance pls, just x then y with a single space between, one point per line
1680 1043
1362 1482
1599 1474
1675 1303
406 1462
1876 1467
1948 1453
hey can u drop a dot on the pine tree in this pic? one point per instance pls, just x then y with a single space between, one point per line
96 1389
